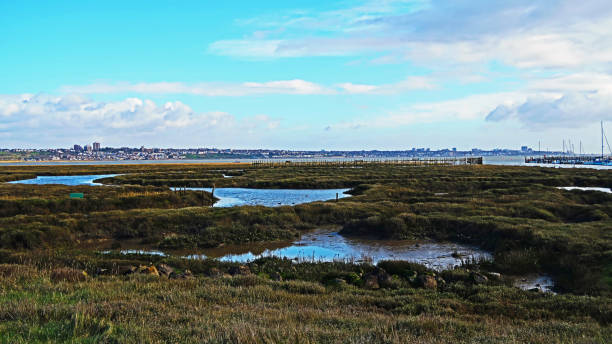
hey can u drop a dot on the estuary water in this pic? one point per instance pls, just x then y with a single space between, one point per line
487 160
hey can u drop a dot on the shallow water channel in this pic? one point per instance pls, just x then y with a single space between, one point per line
232 197
228 197
65 180
587 188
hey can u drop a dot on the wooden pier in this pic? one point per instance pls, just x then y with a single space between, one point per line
352 163
568 160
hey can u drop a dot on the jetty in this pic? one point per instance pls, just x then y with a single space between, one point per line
570 160
442 161
583 159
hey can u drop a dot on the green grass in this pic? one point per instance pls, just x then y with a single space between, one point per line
248 309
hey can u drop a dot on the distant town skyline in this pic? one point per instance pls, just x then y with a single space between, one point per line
567 146
90 153
306 75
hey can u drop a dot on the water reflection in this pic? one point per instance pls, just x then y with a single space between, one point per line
326 246
331 246
232 197
542 283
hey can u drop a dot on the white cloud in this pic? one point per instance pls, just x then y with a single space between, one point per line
521 33
470 108
408 84
571 110
565 101
60 119
295 86
290 87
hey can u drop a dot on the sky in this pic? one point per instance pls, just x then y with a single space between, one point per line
352 75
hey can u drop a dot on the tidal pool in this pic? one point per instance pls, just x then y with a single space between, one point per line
326 246
232 197
534 281
65 180
588 188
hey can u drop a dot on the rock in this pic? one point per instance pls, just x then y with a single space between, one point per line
383 279
102 271
214 272
427 282
495 275
240 270
68 274
370 282
411 276
187 274
336 282
126 269
165 270
478 278
148 270
275 276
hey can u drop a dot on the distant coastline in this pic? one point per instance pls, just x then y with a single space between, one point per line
505 160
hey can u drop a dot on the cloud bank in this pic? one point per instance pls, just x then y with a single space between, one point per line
275 87
210 89
524 34
54 119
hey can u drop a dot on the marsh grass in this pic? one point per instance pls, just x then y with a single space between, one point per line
251 309
515 212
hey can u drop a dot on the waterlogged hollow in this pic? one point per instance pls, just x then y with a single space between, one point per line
331 246
534 281
65 180
326 246
232 197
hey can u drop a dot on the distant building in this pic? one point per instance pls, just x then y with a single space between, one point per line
524 148
78 148
96 146
88 148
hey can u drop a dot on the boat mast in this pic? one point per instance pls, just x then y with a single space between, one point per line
602 143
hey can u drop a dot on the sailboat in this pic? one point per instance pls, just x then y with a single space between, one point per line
602 160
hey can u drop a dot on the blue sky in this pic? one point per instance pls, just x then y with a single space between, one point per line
305 74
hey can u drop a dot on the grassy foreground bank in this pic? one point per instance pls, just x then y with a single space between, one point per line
36 305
